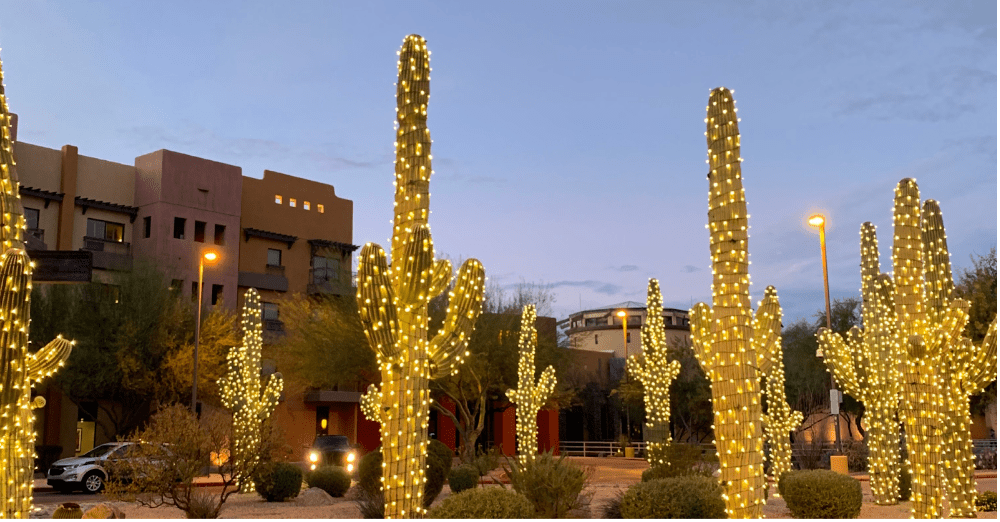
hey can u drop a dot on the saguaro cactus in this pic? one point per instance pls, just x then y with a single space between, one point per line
656 372
866 365
529 397
242 394
780 419
723 334
393 302
19 370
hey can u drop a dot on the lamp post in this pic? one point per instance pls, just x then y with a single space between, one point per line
211 257
819 221
628 419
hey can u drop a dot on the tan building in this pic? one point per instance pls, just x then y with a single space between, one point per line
600 329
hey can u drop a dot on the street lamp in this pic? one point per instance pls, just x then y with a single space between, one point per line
210 257
819 221
628 419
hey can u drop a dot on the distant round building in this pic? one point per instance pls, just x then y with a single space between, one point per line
600 329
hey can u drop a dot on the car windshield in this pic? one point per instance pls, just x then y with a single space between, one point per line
100 451
331 441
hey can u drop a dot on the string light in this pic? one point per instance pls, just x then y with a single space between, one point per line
19 370
393 300
722 334
656 372
529 397
242 394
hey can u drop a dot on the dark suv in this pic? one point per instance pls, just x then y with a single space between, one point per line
332 450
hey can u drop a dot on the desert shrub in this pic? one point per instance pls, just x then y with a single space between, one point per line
332 479
484 503
439 458
202 506
371 504
681 460
856 452
690 496
278 481
463 477
68 510
986 459
905 483
486 461
821 493
613 507
986 501
552 485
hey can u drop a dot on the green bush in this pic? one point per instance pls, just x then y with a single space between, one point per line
691 496
986 501
613 507
333 479
439 458
552 485
683 460
905 483
484 503
821 493
486 461
278 481
463 477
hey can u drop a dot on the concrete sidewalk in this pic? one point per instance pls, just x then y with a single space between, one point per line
214 479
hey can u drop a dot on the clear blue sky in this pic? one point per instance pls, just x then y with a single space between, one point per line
568 143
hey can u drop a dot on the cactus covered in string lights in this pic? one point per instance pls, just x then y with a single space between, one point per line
242 393
723 334
19 370
780 419
393 301
656 372
529 397
866 366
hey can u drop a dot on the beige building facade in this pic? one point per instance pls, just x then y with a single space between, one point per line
600 329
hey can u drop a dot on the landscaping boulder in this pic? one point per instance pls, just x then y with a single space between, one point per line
104 510
314 497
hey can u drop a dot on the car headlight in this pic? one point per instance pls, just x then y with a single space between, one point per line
313 456
350 468
350 457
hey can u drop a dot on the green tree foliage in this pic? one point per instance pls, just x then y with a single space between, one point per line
978 286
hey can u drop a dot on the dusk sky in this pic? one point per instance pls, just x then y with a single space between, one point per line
568 136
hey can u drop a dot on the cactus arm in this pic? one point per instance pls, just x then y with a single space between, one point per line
767 330
838 356
440 277
49 359
376 300
982 368
701 335
446 350
870 271
371 404
546 384
937 263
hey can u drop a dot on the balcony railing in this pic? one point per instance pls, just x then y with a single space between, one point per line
328 281
97 244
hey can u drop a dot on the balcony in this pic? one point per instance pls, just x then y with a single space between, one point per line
328 281
273 325
266 281
109 254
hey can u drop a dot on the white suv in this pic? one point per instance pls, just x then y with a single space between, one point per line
88 471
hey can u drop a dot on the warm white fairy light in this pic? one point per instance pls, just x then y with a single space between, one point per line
242 394
656 372
19 370
393 301
529 397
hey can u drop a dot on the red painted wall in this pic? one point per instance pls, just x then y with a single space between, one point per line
548 431
504 430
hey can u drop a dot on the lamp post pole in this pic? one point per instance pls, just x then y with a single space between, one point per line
820 222
210 256
628 416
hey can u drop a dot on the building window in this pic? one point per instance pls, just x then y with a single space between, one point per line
194 291
322 420
291 202
216 294
220 234
635 320
269 311
325 269
277 198
147 226
319 208
668 320
31 218
595 321
595 338
199 231
107 230
305 205
628 337
176 285
179 227
273 257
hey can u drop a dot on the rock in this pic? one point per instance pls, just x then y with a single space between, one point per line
104 510
313 497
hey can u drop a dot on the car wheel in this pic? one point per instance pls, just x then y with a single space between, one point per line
93 482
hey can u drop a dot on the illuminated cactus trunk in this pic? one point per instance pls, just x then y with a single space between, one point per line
19 370
656 372
393 302
866 366
780 419
966 370
723 333
242 395
529 397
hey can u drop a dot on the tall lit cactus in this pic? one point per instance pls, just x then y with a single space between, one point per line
780 419
19 370
866 365
242 393
723 334
966 369
656 372
393 301
529 397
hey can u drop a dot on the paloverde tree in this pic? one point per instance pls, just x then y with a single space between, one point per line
393 302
